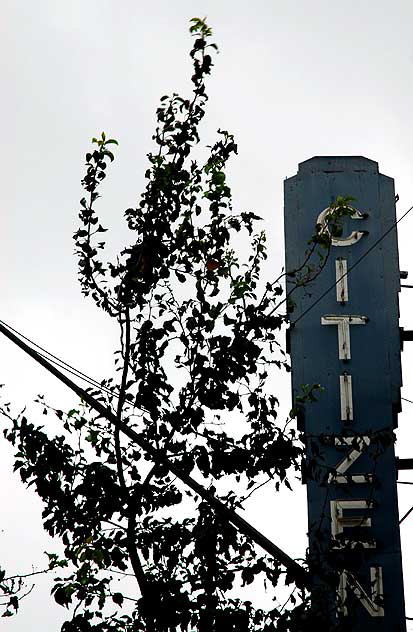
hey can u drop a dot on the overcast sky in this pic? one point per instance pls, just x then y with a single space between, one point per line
293 79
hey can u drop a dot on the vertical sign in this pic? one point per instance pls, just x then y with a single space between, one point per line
349 343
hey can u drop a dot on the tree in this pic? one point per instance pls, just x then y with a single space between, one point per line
195 374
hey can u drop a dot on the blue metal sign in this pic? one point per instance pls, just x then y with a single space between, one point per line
349 343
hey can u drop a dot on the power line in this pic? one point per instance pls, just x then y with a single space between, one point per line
406 514
76 372
300 574
376 243
47 355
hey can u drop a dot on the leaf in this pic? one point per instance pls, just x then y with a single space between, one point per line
108 153
202 461
117 598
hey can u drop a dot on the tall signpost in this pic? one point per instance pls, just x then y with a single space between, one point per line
349 343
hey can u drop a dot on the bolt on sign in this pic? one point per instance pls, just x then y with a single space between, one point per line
348 343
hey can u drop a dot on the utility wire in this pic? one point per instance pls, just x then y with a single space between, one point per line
65 366
363 256
47 355
71 369
406 514
78 374
300 574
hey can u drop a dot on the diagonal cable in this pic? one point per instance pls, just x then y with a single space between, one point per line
355 264
300 574
44 353
406 514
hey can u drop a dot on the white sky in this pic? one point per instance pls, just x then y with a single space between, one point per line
293 80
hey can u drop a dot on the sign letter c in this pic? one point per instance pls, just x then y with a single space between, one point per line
353 238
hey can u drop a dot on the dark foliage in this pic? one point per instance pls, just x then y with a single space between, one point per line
195 379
